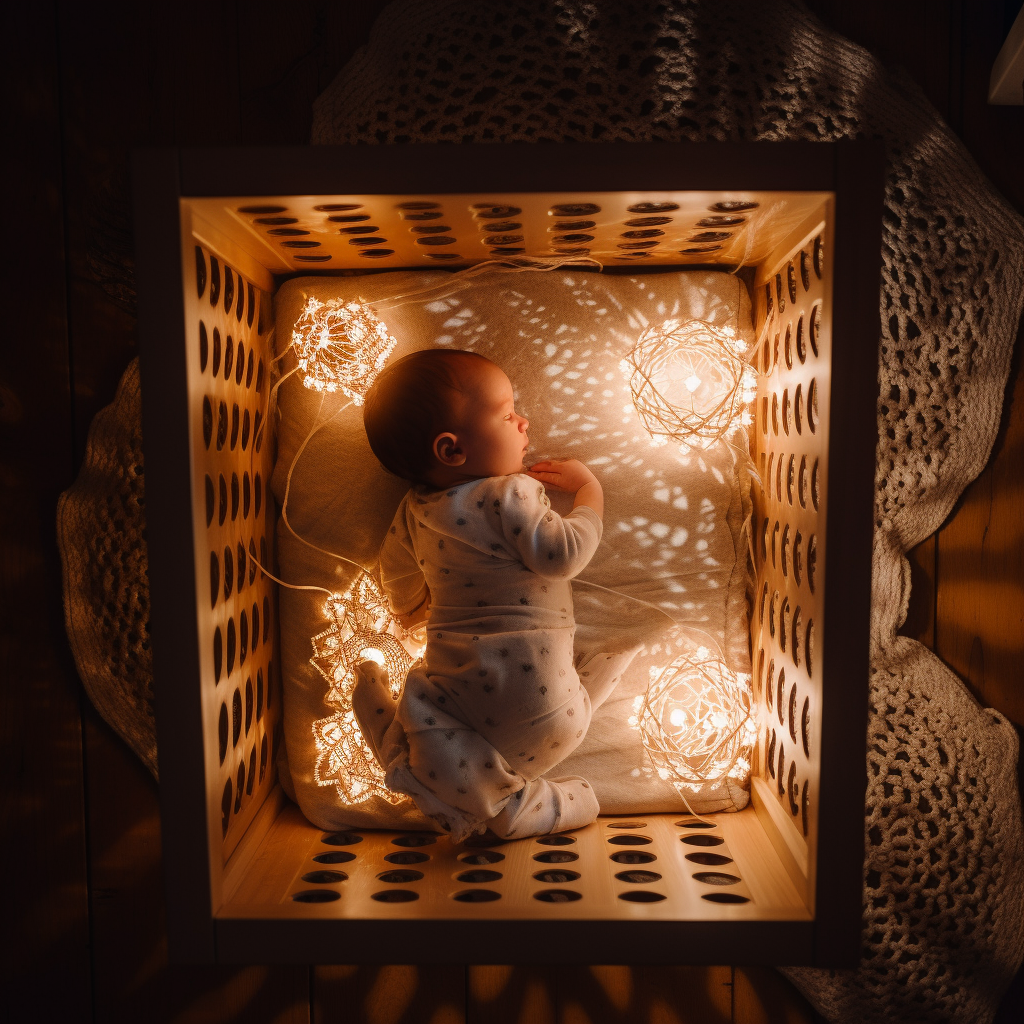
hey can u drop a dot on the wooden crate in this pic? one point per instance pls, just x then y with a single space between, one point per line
248 880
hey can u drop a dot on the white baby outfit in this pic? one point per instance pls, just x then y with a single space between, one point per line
496 700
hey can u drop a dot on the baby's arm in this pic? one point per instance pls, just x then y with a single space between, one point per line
571 475
401 577
551 545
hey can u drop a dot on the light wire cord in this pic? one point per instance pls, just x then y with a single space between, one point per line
460 280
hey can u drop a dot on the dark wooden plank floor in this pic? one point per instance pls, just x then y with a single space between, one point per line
80 814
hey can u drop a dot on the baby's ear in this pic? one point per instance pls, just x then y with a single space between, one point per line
447 451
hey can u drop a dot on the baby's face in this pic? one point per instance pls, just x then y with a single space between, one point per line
489 433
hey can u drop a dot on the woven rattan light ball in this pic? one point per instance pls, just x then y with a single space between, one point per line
696 721
341 346
690 382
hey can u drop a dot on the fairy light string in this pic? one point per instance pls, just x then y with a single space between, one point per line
361 628
690 382
696 721
340 346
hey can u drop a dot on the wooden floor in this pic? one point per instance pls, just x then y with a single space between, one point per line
86 83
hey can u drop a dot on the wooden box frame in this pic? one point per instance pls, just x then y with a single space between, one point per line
231 873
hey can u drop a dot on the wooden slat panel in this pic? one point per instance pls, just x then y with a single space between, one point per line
762 996
106 52
503 994
133 979
46 921
980 610
689 995
132 77
389 995
993 134
199 59
920 622
599 995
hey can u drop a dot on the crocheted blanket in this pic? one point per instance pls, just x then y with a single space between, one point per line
944 867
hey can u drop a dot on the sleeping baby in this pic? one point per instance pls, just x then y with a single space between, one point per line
476 551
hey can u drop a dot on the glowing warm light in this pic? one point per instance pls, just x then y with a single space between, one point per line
690 382
360 631
371 654
340 346
696 722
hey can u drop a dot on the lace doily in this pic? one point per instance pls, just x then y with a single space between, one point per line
944 867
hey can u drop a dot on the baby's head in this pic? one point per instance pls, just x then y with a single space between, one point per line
440 417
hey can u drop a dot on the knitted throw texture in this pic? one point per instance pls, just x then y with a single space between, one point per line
944 867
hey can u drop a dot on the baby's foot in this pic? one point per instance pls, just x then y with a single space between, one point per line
372 704
600 673
544 806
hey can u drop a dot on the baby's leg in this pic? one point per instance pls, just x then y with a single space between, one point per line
454 774
599 673
544 806
460 781
372 704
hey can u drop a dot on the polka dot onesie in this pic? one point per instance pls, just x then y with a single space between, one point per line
496 700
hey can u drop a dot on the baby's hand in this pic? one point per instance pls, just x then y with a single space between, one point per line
565 474
572 476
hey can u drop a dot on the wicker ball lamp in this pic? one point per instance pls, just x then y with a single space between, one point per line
690 382
341 346
696 722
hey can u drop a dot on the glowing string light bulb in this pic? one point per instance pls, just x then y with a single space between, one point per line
696 722
360 631
340 346
690 382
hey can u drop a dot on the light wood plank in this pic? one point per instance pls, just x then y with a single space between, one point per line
980 610
133 979
645 995
920 622
763 996
41 802
403 994
288 850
